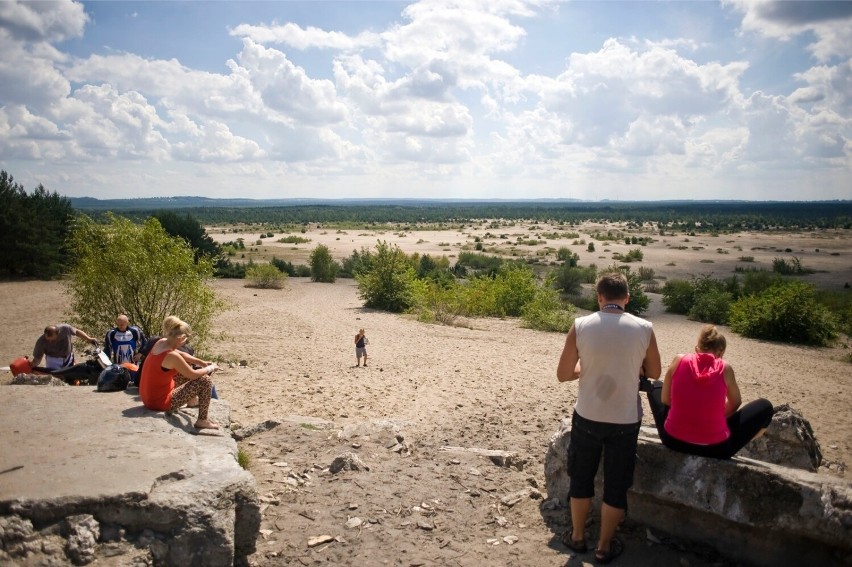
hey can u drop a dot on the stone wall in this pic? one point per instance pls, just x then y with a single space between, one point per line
753 512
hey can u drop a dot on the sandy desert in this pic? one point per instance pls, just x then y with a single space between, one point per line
288 354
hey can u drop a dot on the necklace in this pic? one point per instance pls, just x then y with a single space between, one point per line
612 306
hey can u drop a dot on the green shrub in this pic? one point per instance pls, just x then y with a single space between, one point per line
758 281
547 313
711 307
678 296
387 285
792 268
787 312
284 266
356 263
568 279
265 276
515 286
292 239
564 254
839 302
646 274
323 266
141 271
435 302
482 263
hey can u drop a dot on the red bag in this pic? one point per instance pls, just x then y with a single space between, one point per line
20 366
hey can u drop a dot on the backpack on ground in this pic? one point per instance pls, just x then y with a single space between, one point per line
113 378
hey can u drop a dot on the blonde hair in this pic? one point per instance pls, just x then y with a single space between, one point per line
711 340
173 327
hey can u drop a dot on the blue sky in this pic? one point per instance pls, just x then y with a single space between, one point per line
502 99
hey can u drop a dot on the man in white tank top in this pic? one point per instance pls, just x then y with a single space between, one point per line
607 351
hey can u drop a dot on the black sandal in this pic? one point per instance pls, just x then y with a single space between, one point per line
577 546
616 548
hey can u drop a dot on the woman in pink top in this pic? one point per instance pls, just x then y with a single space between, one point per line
697 406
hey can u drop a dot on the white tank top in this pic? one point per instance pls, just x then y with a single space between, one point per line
612 347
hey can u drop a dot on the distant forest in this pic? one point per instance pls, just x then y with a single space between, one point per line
699 216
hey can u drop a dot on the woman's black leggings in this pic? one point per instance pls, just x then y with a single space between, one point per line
744 424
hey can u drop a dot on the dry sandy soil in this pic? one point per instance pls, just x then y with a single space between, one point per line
491 386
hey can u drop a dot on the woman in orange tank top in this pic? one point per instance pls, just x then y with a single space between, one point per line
164 363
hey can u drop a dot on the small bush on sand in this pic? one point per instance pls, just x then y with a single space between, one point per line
323 267
787 312
712 307
265 276
546 312
387 284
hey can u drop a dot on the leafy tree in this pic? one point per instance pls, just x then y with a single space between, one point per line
139 270
323 266
357 263
33 231
787 312
388 283
190 230
265 276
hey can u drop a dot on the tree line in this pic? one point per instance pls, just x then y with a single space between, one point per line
659 216
34 230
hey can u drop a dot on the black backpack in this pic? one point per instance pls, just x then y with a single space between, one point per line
113 378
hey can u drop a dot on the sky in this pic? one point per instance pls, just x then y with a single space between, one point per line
475 99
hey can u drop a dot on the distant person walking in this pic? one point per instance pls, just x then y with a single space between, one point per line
361 342
607 351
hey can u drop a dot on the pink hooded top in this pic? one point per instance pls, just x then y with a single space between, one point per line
698 395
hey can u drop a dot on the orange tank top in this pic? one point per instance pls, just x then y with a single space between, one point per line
157 384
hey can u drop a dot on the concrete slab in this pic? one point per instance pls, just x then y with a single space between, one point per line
71 449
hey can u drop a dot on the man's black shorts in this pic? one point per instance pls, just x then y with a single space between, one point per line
617 443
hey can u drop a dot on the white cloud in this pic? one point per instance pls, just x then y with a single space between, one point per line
214 142
286 88
601 95
117 125
42 21
829 21
28 78
305 38
439 103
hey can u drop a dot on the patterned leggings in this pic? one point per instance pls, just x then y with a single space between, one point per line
186 389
